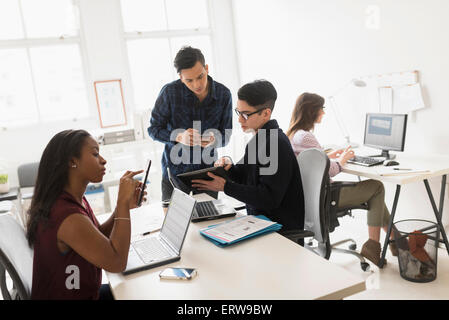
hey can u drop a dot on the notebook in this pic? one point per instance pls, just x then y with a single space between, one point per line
239 229
146 219
166 247
204 210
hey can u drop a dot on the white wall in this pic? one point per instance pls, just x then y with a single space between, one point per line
318 45
105 56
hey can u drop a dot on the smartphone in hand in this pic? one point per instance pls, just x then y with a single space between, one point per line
207 137
142 191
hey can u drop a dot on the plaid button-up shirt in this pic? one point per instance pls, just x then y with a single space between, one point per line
177 108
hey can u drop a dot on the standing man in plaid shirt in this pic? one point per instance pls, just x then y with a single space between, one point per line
192 116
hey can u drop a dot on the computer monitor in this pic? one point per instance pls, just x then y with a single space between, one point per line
386 132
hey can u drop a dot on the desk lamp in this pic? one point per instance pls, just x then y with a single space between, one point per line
334 106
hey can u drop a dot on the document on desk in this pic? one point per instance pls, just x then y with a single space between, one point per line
146 219
239 229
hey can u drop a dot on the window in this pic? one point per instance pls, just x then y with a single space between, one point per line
41 70
154 32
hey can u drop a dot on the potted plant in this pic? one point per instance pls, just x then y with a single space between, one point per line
4 184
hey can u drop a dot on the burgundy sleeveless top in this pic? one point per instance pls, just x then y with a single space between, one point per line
57 275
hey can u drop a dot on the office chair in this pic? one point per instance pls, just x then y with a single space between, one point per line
16 258
27 174
321 205
336 212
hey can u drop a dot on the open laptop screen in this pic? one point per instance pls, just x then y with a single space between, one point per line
177 183
177 220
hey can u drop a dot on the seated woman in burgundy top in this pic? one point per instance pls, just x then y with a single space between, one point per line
308 111
70 246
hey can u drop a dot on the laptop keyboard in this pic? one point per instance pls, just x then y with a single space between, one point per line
365 161
150 249
205 209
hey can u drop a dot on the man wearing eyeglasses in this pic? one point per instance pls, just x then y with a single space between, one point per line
278 193
186 113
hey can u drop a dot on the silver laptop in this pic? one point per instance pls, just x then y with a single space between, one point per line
204 210
166 247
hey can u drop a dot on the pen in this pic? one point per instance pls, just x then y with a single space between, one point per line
146 233
401 169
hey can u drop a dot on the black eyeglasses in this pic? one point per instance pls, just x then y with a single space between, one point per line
246 115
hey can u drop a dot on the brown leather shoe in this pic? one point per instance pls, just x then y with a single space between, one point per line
371 251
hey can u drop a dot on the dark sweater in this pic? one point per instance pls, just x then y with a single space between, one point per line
278 195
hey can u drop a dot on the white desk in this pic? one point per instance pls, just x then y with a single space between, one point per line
267 267
436 164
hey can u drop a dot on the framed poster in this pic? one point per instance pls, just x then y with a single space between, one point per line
110 103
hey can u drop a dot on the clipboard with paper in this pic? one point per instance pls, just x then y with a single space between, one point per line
239 229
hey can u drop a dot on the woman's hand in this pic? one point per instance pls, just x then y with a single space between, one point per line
129 190
347 154
335 154
135 202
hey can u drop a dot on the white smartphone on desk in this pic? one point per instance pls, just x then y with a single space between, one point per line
178 273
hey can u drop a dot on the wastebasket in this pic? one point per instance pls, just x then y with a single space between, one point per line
417 243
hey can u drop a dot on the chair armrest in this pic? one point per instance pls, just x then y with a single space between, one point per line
340 184
336 186
296 234
334 195
338 212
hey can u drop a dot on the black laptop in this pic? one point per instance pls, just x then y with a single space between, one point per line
204 210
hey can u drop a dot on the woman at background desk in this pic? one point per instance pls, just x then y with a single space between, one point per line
70 246
308 111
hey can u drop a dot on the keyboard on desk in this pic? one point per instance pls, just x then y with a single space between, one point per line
366 161
150 249
205 209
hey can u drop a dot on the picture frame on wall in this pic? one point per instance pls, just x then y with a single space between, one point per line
110 103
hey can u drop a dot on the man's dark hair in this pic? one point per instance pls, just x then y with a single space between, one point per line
187 57
259 94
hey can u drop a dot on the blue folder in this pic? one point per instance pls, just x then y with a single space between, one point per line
222 243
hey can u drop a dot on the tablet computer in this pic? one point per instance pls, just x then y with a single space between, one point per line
187 177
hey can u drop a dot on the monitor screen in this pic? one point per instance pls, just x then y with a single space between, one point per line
385 131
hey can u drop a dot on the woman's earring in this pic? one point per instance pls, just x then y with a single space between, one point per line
73 165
